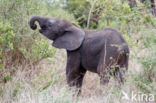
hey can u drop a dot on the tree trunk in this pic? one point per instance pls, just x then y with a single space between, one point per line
153 7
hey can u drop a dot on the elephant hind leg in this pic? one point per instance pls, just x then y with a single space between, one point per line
119 74
104 73
103 68
122 67
104 79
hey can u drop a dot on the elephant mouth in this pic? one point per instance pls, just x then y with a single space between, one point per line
40 30
45 33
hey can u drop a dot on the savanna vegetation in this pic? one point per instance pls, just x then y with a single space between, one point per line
32 71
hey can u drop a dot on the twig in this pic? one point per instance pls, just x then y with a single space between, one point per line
90 11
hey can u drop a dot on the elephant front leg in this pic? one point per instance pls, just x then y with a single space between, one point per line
75 77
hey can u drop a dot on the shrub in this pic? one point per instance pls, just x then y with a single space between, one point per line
19 45
148 77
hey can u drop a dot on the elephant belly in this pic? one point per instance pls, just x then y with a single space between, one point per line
90 63
90 57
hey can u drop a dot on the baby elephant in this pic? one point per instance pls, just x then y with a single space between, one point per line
104 52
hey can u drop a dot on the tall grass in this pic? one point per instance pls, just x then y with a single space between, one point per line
32 71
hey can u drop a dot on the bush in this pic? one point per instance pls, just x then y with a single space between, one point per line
148 77
19 45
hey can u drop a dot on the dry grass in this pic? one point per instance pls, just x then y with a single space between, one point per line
48 85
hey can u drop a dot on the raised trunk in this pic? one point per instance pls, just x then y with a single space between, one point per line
32 21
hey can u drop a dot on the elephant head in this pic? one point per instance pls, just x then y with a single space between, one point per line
64 34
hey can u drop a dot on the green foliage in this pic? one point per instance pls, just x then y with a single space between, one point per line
42 48
123 15
80 10
129 21
19 45
13 69
16 36
7 77
148 77
1 91
16 90
6 38
17 39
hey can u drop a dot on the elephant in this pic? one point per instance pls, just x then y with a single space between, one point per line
104 51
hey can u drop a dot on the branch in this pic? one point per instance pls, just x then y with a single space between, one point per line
90 12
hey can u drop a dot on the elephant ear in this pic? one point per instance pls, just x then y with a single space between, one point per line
71 39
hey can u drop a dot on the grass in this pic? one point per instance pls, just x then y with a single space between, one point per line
46 81
47 84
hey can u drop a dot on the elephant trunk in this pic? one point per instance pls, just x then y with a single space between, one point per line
32 21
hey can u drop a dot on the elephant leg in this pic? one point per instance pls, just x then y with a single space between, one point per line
104 80
104 73
103 68
122 67
75 78
119 74
74 71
